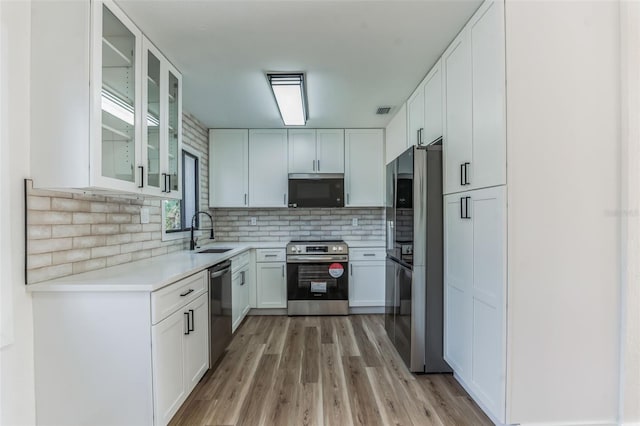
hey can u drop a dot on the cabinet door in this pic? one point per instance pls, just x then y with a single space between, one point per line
458 280
228 168
153 120
268 181
366 284
271 285
245 291
489 116
364 168
330 150
433 104
415 116
236 303
396 135
173 133
117 66
302 151
196 342
168 373
488 216
457 142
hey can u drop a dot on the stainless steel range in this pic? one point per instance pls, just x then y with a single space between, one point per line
317 278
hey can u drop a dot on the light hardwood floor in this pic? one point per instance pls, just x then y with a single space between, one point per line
282 370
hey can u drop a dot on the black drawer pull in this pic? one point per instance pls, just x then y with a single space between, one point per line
186 292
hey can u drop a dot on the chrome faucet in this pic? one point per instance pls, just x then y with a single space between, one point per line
192 244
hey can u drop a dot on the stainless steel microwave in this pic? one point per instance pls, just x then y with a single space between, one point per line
316 190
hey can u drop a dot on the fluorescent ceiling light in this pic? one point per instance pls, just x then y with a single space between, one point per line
122 110
290 94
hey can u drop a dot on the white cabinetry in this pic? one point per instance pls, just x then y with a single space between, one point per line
137 353
268 180
415 116
271 279
364 167
316 151
424 109
228 168
91 55
240 289
475 120
396 135
366 276
475 292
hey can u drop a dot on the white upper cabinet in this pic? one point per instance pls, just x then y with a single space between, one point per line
316 151
162 125
396 135
330 151
302 151
268 181
91 55
415 116
457 143
488 167
229 168
433 104
364 168
475 111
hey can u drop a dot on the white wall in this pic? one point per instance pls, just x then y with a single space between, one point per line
630 214
17 401
563 163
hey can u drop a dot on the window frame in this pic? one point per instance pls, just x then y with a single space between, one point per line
170 235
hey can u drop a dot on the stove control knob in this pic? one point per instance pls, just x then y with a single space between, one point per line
339 248
333 248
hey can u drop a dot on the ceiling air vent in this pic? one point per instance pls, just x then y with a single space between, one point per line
383 110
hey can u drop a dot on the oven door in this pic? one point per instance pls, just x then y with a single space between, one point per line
318 281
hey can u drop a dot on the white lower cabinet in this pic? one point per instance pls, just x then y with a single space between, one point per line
475 293
366 277
272 285
240 289
117 356
271 278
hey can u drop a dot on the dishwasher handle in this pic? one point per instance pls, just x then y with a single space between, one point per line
220 273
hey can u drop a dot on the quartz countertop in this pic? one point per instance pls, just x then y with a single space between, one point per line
152 274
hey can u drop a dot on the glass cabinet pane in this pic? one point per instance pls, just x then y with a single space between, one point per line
118 99
153 120
174 128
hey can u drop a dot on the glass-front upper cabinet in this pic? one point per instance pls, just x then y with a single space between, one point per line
119 98
174 132
153 121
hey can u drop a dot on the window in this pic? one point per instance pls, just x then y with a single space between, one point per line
177 214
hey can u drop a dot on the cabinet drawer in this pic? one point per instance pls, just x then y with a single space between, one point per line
270 255
240 261
172 297
373 253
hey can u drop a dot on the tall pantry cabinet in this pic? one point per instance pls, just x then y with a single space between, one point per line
530 306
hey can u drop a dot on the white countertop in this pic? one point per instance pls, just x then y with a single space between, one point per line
154 273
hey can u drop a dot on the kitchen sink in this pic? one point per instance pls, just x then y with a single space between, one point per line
215 250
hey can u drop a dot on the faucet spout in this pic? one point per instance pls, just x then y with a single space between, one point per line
192 242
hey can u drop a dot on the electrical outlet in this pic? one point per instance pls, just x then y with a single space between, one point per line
354 221
254 222
144 215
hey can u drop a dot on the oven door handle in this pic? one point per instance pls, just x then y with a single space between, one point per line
317 259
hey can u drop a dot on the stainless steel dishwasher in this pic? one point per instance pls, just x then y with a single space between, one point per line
220 310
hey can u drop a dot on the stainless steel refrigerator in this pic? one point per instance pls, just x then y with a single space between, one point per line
414 284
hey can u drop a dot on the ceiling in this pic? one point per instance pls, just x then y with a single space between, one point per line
357 55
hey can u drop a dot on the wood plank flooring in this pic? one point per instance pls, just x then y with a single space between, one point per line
322 371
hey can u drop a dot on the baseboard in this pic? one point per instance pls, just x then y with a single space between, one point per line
270 311
357 310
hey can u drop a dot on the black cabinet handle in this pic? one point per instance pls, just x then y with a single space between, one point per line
466 174
466 202
188 328
462 208
141 176
462 174
193 323
186 292
164 181
169 187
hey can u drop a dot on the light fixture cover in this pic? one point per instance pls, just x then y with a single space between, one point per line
290 94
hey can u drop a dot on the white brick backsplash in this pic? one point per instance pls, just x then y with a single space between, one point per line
48 217
70 256
58 231
84 232
49 246
70 205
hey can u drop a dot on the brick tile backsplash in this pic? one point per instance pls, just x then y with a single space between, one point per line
70 233
286 224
